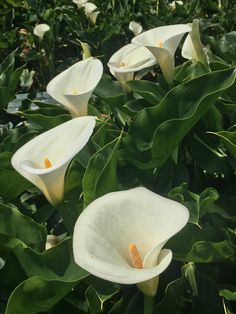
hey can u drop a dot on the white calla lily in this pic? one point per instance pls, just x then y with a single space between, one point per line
129 59
173 4
45 159
188 51
41 29
192 48
80 3
90 12
135 27
109 229
163 42
74 86
89 7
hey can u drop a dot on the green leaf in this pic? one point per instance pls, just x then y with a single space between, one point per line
189 271
109 89
198 205
12 184
203 245
36 295
157 131
57 263
44 121
16 225
6 95
93 301
148 90
207 301
229 140
207 158
52 275
175 300
99 292
100 176
228 294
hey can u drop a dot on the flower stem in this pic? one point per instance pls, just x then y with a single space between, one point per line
148 304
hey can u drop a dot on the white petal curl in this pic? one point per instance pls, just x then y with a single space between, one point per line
74 86
104 231
163 42
129 59
41 29
135 27
59 145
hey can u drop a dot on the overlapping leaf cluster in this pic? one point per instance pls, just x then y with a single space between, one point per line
179 142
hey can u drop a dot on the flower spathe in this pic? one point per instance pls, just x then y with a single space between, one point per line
192 48
89 10
45 159
74 86
129 59
173 4
135 27
41 29
105 230
80 3
163 42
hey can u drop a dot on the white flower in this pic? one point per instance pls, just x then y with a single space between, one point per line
41 29
44 159
129 59
135 28
89 7
80 3
119 237
90 12
74 86
192 47
163 42
173 4
188 51
52 240
2 263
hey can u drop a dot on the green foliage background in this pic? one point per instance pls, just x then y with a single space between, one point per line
179 142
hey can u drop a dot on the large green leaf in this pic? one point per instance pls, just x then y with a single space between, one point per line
12 183
158 130
148 90
46 266
175 300
45 121
100 176
52 275
16 225
207 300
198 205
36 295
229 140
202 245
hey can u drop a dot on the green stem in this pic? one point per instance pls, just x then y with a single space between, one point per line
148 304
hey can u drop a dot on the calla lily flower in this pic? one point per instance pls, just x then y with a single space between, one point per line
51 241
90 12
163 42
173 4
80 3
74 86
45 159
135 28
130 59
41 29
119 237
192 48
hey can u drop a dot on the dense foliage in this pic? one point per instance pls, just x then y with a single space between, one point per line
178 141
